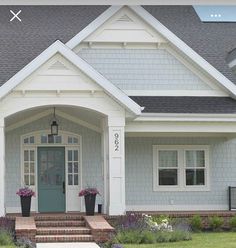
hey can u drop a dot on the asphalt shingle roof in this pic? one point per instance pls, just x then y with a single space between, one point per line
164 104
21 42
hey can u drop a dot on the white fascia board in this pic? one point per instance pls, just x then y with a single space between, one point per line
59 47
72 43
232 63
158 26
147 117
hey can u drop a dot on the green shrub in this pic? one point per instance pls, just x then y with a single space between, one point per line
216 223
5 238
163 237
232 223
148 237
196 223
180 236
129 237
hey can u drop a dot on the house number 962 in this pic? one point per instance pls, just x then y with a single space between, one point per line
116 142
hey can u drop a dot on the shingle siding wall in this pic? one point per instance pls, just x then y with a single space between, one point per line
139 173
91 156
142 69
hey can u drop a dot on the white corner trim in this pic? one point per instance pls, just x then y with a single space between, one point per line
59 47
72 43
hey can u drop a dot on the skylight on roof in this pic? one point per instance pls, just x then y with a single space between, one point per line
216 13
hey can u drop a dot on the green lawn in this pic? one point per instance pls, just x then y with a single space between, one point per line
201 240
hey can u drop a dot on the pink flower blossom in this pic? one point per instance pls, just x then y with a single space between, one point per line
89 191
24 192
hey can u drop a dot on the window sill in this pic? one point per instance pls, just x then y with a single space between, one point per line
181 189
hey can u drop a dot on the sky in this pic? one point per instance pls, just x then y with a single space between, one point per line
216 13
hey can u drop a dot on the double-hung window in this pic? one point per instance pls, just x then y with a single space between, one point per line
181 168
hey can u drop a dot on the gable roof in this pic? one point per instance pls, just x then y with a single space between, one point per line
22 42
170 36
59 47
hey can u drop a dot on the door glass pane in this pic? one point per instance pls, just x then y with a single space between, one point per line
75 155
26 155
70 167
76 166
168 177
31 179
195 177
195 158
70 179
26 167
31 167
32 140
76 179
58 139
70 140
168 158
44 139
26 179
70 155
31 155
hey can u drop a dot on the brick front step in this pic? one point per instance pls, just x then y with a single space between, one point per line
61 223
58 217
63 238
62 230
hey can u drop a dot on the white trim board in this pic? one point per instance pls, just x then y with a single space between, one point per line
167 34
176 207
59 47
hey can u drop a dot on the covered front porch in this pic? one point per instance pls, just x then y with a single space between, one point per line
58 167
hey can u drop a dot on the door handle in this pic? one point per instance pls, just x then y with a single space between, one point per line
63 186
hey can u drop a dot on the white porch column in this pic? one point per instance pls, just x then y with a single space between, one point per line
2 167
116 166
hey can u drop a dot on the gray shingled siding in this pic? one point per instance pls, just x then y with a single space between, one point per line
91 156
139 169
142 69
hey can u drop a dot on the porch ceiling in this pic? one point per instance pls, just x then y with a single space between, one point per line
84 115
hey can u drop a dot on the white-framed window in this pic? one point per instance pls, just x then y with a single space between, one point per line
181 168
73 164
29 166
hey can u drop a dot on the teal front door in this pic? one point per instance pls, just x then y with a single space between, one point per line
51 179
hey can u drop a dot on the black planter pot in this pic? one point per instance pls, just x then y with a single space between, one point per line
90 203
25 205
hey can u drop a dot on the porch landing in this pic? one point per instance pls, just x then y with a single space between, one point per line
66 228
